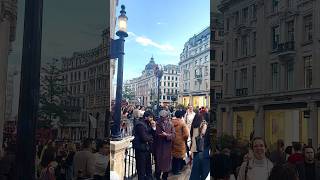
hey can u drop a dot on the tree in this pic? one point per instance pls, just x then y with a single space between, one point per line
51 108
128 93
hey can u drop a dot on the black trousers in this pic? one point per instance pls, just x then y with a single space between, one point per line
177 164
164 175
143 165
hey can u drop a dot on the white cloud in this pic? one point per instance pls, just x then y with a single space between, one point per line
161 23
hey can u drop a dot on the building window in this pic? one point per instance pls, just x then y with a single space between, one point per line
275 76
213 54
163 97
164 77
176 78
213 74
308 72
176 84
235 79
275 37
254 42
164 83
164 90
228 24
244 45
308 28
236 16
245 13
275 5
290 3
226 82
236 47
243 78
254 11
254 77
172 84
290 34
289 68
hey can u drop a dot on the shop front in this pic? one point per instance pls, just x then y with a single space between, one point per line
186 100
199 101
290 125
243 124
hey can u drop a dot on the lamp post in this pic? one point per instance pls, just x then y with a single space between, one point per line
29 91
117 51
158 73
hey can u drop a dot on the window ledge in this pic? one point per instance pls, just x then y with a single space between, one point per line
307 42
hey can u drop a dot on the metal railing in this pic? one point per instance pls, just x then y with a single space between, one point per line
130 170
287 46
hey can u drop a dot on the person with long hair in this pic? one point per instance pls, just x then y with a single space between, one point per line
257 167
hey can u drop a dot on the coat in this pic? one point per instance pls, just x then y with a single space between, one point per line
301 170
163 145
182 134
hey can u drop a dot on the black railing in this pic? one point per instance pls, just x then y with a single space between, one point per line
287 46
130 170
242 92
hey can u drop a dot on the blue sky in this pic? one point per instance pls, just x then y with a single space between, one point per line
160 28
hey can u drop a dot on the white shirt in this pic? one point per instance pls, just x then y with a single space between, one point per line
101 164
189 118
257 169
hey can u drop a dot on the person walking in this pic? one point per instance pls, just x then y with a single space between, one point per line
194 132
83 161
257 167
222 165
71 147
201 162
179 146
142 143
165 134
309 169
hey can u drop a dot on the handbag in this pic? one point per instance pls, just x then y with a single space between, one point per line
200 143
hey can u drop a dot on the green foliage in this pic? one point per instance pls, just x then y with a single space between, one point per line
128 93
51 93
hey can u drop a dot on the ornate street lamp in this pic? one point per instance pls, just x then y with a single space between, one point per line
117 51
158 72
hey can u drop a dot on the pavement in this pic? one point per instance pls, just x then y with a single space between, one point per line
185 174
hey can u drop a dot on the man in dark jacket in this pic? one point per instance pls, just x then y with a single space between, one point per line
142 143
310 168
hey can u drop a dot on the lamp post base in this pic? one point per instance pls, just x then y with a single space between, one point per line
116 137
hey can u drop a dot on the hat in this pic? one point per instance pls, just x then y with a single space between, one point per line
163 113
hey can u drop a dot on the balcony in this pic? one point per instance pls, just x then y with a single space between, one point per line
198 76
286 49
242 92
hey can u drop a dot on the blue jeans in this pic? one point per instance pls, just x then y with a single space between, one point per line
200 167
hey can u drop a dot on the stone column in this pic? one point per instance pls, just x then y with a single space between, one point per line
259 123
229 127
313 124
117 150
4 52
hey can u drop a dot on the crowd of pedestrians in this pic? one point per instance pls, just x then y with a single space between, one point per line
296 162
64 161
167 138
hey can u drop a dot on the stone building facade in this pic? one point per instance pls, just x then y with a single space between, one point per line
145 87
271 72
8 22
86 81
194 66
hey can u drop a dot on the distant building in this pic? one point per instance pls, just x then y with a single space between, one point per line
194 66
86 75
145 87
